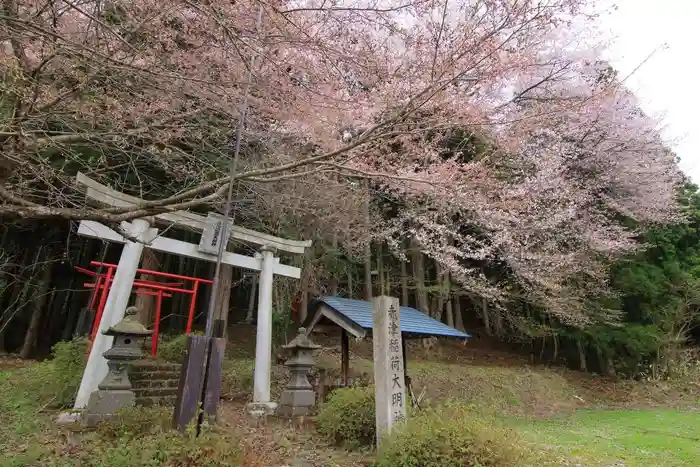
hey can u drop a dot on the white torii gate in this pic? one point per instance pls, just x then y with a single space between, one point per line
144 235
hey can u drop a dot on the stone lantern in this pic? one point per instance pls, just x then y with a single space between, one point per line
114 392
298 397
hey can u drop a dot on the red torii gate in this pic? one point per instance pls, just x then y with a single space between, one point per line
143 287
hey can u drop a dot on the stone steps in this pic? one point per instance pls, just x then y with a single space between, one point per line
148 383
155 383
146 366
155 392
148 401
153 375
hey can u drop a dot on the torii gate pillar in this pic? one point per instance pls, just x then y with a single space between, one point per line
263 340
117 301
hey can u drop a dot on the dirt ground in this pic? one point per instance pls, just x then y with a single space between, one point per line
275 442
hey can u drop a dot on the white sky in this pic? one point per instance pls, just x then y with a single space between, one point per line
667 84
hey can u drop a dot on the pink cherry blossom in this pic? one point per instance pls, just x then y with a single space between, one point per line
157 86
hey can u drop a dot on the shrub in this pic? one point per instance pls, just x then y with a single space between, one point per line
348 417
142 436
237 379
174 349
136 422
54 382
68 364
166 448
453 435
281 321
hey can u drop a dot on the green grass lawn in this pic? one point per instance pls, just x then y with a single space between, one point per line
644 438
595 421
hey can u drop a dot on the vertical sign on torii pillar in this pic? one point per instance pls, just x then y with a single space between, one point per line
212 234
141 235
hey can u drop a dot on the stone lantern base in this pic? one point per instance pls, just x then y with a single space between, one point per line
296 402
104 405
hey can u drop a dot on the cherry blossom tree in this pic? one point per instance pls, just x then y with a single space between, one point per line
578 157
144 95
162 87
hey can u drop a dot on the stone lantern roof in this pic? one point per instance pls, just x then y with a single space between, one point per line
301 342
129 325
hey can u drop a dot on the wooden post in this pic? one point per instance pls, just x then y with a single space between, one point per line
345 356
406 378
144 302
212 391
224 298
189 393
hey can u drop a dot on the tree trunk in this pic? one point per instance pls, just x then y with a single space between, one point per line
581 355
449 315
146 303
433 307
544 344
440 300
610 366
457 310
350 292
555 356
485 316
224 296
419 277
304 284
16 285
447 288
83 326
368 250
334 279
71 315
40 302
605 362
498 322
251 301
276 298
380 269
25 278
2 335
368 271
404 284
69 309
5 277
445 303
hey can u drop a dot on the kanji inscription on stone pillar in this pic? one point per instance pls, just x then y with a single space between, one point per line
390 393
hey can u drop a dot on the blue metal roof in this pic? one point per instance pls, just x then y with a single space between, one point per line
412 321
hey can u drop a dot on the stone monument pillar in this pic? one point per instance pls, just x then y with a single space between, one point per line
298 398
114 392
389 381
